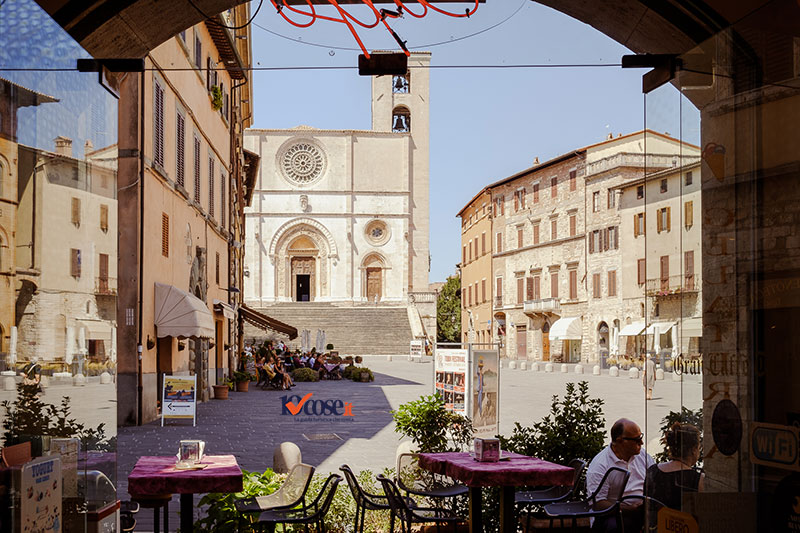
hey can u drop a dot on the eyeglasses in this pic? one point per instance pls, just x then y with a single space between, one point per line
639 439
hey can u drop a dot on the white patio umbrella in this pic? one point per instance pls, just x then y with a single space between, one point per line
113 353
69 349
81 348
656 339
12 348
323 337
675 347
614 341
318 342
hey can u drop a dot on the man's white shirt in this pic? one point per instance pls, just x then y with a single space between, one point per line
637 466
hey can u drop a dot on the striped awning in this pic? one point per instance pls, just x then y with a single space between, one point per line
180 314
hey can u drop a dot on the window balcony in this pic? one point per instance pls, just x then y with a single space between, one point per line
673 285
105 286
542 305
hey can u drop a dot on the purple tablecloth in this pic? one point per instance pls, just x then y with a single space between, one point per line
519 470
157 475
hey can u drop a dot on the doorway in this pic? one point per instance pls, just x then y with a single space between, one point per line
522 342
303 279
546 342
374 284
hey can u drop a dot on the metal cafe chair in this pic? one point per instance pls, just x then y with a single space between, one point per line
537 498
314 513
414 480
652 506
291 494
615 478
365 501
416 515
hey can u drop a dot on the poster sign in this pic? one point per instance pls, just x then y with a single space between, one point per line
415 349
775 445
179 398
451 367
670 520
67 449
40 495
485 392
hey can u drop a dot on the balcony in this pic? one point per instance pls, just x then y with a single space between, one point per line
543 305
104 286
673 285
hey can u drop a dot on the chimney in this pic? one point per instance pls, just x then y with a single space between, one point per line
63 146
88 147
535 161
609 136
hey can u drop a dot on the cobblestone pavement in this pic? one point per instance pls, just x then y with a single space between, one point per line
250 425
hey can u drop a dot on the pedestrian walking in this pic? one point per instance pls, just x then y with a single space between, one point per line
649 377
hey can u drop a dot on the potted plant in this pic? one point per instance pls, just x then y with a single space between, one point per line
242 381
216 97
221 391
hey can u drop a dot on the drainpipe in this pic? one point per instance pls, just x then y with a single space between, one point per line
139 348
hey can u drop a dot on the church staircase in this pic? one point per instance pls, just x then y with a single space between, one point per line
366 330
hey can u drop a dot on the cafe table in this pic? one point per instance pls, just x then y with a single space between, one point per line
158 475
513 470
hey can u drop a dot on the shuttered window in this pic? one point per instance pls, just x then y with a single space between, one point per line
520 290
688 268
499 242
665 271
553 187
165 234
638 224
483 290
196 169
663 220
216 269
180 150
612 282
553 229
535 193
158 124
464 254
536 234
641 267
573 284
520 237
537 287
198 50
554 284
688 214
483 243
573 225
223 180
499 290
75 263
102 278
76 212
573 179
529 288
211 187
596 286
103 218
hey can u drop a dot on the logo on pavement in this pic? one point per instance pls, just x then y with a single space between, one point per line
315 410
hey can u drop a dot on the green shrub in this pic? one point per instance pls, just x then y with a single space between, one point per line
355 374
573 429
431 427
305 374
347 373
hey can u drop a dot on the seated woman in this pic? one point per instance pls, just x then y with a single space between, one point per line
286 380
666 482
260 373
271 377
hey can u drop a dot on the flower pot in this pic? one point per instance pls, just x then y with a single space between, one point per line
242 386
220 392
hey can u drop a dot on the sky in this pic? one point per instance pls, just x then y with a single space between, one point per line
486 123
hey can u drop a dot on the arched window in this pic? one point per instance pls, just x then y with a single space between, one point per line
401 120
401 84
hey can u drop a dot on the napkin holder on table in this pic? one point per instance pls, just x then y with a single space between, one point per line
487 450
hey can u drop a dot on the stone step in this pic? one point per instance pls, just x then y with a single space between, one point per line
352 330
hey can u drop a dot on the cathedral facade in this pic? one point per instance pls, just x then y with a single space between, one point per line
342 215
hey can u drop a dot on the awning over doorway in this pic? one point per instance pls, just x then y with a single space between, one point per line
633 329
224 309
266 323
96 329
180 314
566 329
659 327
692 327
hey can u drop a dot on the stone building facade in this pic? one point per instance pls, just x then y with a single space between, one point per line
476 269
341 216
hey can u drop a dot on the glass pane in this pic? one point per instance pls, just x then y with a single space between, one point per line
58 260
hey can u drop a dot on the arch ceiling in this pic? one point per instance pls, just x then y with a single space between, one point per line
131 28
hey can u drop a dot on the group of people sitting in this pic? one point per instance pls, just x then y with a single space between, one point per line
273 364
664 483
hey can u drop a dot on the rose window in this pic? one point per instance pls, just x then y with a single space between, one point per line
303 163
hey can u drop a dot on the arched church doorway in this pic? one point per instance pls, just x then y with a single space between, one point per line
303 252
374 265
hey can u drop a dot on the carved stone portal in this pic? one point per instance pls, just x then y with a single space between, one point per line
302 264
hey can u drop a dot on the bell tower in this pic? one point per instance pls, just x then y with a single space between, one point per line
400 105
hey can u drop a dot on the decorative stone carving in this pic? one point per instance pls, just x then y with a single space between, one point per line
302 162
304 207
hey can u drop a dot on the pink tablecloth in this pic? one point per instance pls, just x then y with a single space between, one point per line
157 475
519 470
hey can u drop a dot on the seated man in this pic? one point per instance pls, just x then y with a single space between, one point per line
625 451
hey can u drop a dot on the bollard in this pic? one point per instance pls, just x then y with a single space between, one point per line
677 377
564 368
613 371
406 446
388 357
285 456
105 378
633 373
523 365
512 365
596 370
9 383
660 373
79 380
535 367
548 367
579 369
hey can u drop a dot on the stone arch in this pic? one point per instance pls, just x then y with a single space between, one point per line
311 246
603 339
401 119
295 227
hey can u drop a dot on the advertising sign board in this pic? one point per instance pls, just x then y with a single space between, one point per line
179 398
